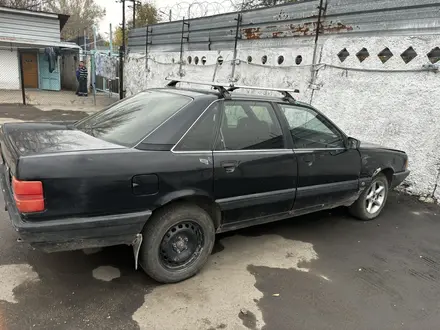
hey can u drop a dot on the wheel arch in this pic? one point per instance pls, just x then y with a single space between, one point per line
388 172
191 196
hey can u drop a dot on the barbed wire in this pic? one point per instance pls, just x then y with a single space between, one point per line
195 9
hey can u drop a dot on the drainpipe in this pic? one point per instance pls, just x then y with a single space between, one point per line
85 42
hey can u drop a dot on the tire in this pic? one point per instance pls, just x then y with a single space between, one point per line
177 242
366 206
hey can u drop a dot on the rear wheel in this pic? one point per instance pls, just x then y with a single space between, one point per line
177 243
371 202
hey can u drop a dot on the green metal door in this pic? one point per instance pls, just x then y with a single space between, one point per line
49 80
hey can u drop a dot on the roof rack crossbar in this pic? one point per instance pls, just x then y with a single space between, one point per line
219 87
225 88
173 83
223 91
288 97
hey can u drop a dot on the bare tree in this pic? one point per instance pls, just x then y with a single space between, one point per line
24 4
83 15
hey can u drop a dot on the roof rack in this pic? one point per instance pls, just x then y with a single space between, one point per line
221 88
226 88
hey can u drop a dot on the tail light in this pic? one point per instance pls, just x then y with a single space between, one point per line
405 165
28 195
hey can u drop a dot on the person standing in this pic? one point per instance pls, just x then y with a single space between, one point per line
83 74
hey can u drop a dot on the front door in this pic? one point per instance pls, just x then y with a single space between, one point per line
30 70
254 171
328 172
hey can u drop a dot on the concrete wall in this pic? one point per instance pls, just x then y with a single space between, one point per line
9 70
392 103
69 64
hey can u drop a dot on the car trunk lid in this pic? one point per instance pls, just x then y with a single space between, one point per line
27 139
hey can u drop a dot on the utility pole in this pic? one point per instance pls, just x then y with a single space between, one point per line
122 54
134 14
123 22
134 11
123 25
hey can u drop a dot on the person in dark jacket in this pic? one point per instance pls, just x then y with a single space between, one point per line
82 79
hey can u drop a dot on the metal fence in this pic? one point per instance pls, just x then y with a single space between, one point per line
304 19
107 80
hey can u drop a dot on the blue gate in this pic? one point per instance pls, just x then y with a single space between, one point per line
48 80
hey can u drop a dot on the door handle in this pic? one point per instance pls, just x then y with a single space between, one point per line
310 158
337 152
229 165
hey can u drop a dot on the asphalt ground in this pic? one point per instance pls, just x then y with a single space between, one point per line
321 271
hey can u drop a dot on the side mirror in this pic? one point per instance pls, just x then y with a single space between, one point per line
352 143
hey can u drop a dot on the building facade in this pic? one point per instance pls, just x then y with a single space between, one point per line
30 43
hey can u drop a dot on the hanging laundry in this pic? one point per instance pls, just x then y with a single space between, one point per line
51 57
106 65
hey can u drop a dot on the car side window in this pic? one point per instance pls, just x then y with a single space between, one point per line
233 114
311 130
201 136
249 125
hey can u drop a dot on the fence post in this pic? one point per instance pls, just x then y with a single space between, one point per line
93 74
121 72
322 11
20 63
234 63
181 45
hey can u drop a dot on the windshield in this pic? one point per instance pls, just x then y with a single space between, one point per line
130 120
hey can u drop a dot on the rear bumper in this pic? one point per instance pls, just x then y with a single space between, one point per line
73 233
398 178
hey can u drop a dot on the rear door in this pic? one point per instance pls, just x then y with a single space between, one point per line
255 169
328 172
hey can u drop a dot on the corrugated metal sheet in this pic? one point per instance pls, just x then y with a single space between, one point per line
296 20
39 28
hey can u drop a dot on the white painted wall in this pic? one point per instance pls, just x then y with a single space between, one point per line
396 109
380 103
9 69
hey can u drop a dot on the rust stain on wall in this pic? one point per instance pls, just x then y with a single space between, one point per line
251 33
294 30
335 28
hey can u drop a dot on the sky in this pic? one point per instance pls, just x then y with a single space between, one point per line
114 9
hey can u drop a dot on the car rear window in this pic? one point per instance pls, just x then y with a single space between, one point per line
127 122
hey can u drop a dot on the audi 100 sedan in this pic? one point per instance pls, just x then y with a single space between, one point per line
168 168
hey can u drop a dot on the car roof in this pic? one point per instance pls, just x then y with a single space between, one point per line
213 94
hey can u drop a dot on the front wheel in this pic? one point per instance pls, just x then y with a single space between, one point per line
372 200
177 243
